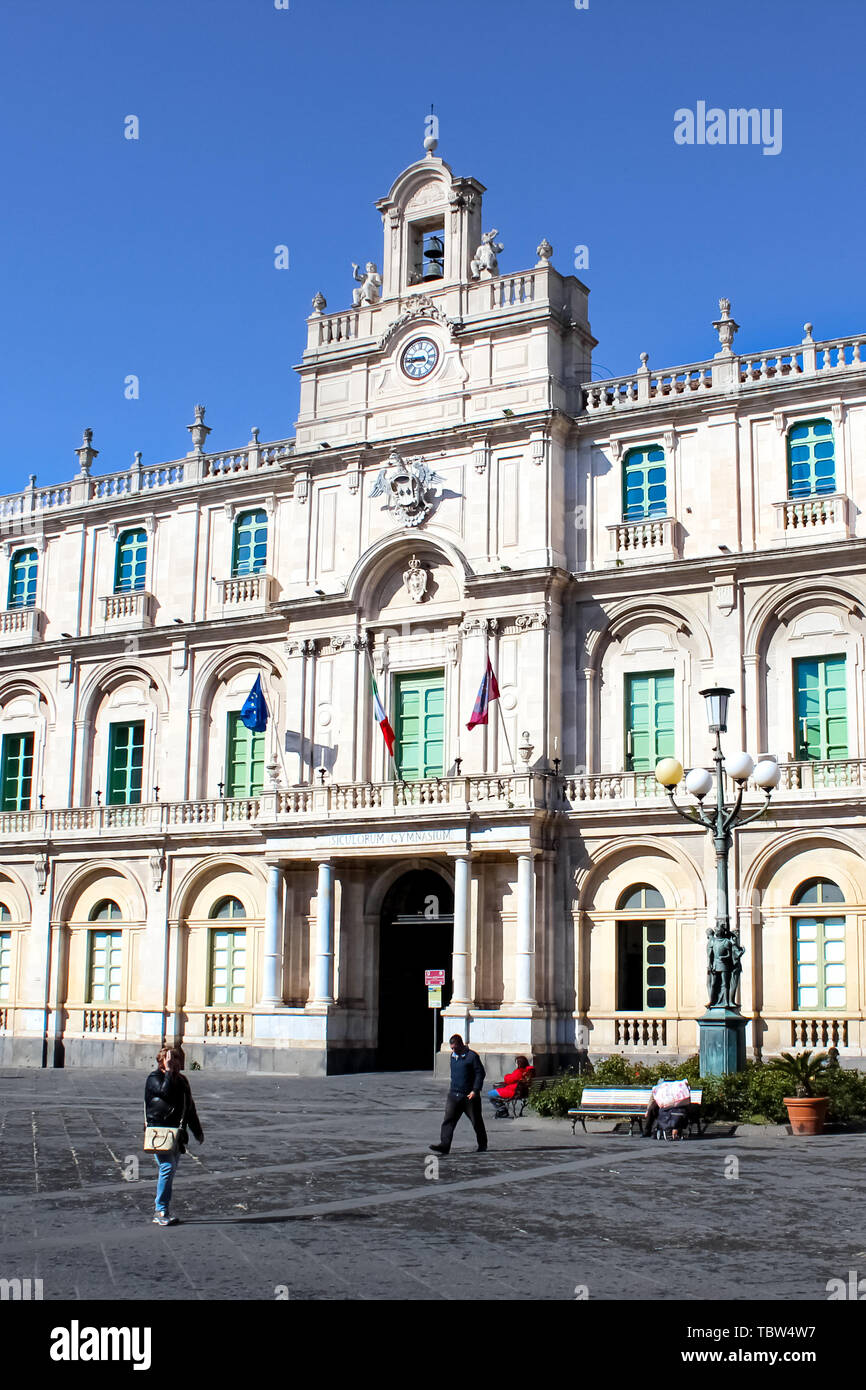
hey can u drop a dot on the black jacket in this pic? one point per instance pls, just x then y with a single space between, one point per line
467 1073
164 1097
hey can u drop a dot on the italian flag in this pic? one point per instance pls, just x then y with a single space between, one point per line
382 718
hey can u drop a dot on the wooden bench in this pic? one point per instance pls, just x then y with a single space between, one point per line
624 1103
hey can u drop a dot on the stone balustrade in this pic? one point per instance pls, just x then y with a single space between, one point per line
725 374
436 797
245 591
19 625
24 511
133 610
655 539
100 1021
811 515
816 1032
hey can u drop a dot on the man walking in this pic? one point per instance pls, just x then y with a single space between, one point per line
464 1097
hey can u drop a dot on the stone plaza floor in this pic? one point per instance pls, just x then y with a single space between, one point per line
310 1189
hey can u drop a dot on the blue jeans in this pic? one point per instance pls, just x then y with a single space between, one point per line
167 1165
495 1098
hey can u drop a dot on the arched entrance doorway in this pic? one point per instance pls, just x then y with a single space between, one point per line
416 934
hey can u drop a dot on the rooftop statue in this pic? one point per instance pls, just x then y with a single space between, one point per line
371 284
484 261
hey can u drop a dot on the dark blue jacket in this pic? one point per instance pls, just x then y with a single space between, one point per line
467 1073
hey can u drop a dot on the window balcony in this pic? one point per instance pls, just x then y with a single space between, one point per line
656 539
20 625
246 593
813 519
126 612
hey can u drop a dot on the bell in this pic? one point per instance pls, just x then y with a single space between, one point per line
434 257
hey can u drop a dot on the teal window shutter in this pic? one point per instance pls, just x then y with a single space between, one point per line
820 695
811 460
16 772
245 759
125 764
819 950
228 967
649 720
250 550
644 483
22 579
104 967
131 562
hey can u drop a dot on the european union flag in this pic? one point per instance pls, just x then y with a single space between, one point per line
255 712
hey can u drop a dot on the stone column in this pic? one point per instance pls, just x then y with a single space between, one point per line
323 977
272 985
523 993
460 953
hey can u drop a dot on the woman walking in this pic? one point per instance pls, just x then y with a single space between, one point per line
168 1103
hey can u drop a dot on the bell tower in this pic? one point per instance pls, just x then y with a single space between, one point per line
432 225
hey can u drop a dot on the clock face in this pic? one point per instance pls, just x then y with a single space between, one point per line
419 358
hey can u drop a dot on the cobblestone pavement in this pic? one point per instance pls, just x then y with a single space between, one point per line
324 1189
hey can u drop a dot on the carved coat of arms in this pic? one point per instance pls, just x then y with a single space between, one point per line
410 488
415 579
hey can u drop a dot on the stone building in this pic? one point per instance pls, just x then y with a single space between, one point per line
457 488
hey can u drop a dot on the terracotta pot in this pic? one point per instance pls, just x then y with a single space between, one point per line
806 1113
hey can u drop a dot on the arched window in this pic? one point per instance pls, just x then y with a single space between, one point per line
5 914
811 459
22 579
250 550
819 947
105 911
228 907
818 890
639 898
644 483
641 951
131 562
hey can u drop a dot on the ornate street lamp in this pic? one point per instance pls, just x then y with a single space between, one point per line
722 1028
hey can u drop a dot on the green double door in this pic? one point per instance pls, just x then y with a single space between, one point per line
419 704
649 714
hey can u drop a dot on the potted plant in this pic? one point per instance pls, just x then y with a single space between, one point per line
806 1111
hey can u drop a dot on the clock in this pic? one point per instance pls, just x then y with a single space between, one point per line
419 358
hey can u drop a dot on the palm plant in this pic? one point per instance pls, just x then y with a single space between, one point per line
802 1068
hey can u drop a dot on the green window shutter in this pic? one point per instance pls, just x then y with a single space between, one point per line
644 483
420 724
245 759
131 562
820 697
649 720
16 772
228 967
125 764
819 962
250 548
5 963
641 966
104 967
22 579
811 460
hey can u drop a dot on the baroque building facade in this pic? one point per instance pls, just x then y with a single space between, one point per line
457 489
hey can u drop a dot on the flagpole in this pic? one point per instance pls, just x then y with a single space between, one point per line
397 772
507 740
275 742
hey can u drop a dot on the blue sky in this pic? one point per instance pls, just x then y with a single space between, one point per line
261 127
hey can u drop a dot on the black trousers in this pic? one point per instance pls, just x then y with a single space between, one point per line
455 1106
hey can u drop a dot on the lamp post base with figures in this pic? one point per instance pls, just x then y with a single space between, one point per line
722 1027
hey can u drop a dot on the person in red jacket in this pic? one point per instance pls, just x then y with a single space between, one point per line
507 1089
